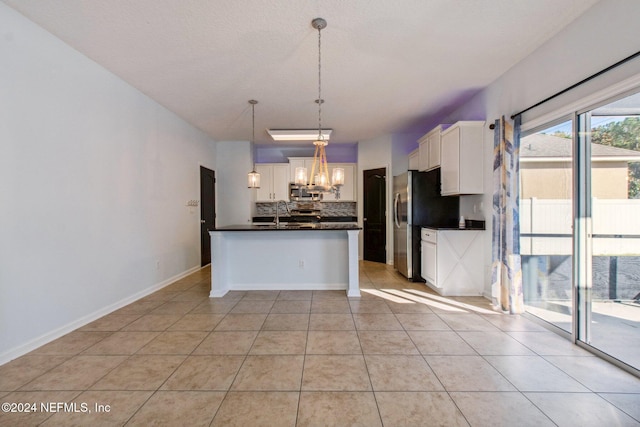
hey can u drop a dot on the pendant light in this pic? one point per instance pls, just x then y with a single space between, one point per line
253 177
319 178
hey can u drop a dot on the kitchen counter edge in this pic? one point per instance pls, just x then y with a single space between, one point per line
317 227
454 228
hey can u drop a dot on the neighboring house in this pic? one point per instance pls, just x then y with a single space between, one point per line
546 217
545 168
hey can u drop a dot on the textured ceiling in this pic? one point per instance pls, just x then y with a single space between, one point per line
386 64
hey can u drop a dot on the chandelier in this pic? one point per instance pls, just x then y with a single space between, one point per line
318 180
253 176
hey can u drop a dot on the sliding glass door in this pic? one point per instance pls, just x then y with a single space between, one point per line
580 226
608 237
546 200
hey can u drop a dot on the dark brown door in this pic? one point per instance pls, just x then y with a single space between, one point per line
374 219
207 212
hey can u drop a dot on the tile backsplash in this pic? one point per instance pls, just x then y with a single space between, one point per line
327 208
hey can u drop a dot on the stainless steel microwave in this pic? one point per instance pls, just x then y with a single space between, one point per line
302 194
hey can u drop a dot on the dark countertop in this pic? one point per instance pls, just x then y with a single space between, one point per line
470 224
287 218
455 228
289 227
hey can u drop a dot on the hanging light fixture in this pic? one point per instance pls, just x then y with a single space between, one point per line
319 179
253 177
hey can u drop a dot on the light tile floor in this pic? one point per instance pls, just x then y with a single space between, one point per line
398 356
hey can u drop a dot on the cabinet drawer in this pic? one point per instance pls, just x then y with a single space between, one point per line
429 235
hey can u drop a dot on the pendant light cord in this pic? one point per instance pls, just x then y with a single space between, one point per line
253 134
253 103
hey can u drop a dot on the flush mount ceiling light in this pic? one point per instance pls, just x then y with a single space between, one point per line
298 134
318 181
253 178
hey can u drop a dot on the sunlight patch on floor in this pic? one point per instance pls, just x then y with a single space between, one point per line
451 302
386 296
424 301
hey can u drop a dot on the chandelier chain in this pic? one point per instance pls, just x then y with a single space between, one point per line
319 83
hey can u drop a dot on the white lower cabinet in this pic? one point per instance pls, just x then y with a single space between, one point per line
452 261
429 255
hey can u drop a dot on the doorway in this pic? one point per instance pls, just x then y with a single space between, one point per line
375 215
207 212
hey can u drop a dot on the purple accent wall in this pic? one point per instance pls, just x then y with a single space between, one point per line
336 153
405 143
463 105
448 111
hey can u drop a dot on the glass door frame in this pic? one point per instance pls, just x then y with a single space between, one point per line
582 233
569 332
582 230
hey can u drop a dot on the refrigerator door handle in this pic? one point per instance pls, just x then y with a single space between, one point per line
396 201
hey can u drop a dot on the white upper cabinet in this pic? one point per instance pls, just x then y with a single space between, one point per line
429 149
348 190
299 162
274 182
414 159
434 148
462 159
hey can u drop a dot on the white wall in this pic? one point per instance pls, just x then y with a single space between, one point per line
94 181
235 202
605 34
373 154
403 144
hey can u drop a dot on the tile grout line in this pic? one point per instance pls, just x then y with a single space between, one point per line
246 356
175 370
304 361
366 365
433 371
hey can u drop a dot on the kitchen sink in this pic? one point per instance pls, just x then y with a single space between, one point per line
297 226
289 225
301 226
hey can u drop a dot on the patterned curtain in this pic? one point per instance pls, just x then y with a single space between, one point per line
506 280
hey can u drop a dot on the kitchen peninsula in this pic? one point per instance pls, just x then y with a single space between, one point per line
285 257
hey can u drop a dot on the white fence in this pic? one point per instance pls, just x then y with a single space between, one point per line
546 227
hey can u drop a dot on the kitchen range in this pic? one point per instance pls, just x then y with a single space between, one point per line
306 213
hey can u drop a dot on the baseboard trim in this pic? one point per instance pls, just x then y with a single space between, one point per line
46 338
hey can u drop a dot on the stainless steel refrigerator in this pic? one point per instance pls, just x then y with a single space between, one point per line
417 203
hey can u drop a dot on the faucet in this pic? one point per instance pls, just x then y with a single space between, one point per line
278 211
